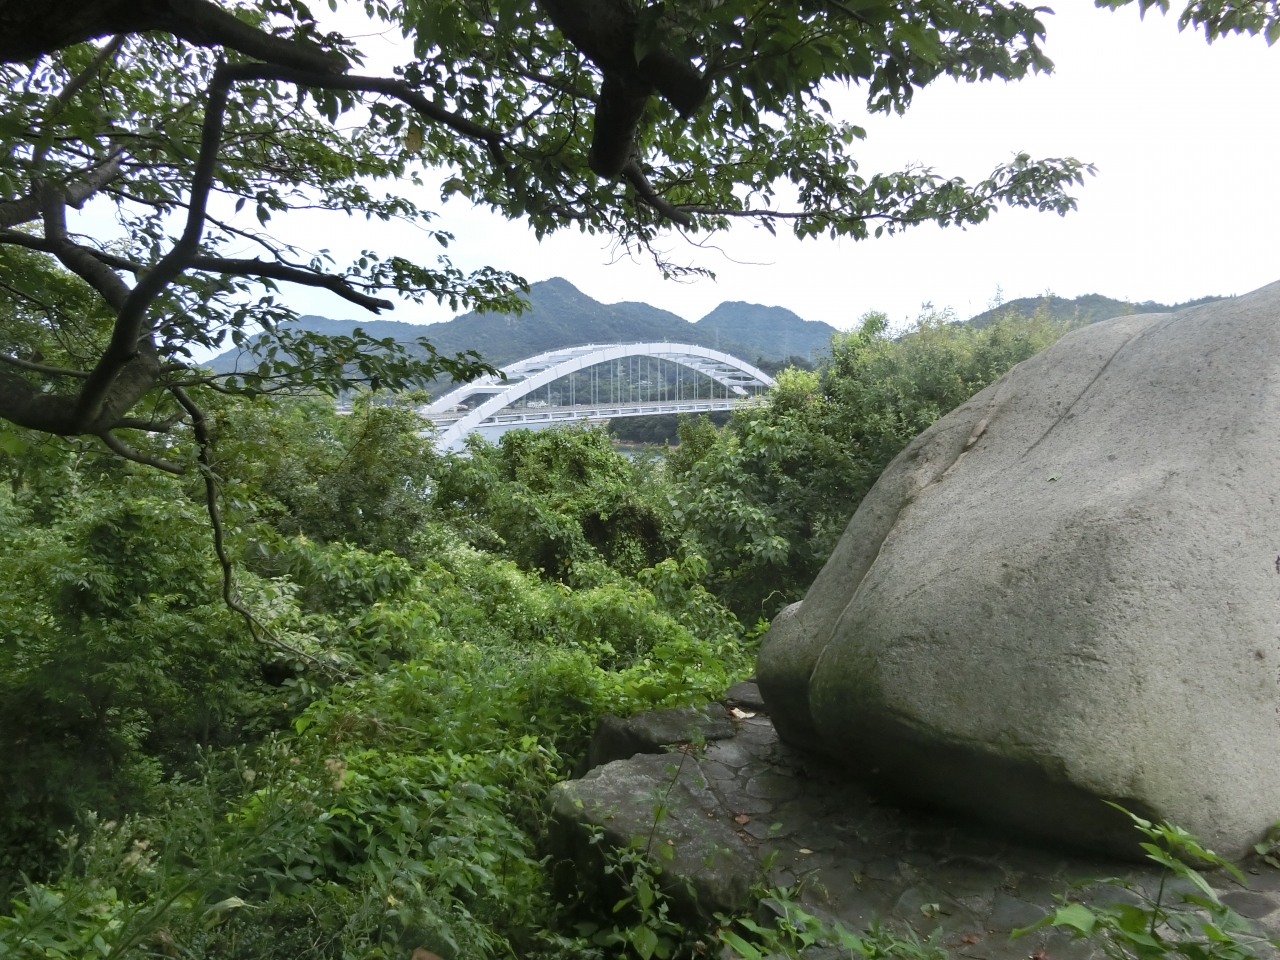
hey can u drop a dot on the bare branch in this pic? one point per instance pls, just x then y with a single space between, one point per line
245 267
41 367
257 629
79 260
122 449
150 426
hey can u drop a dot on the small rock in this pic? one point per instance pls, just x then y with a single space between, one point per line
654 730
823 953
764 830
770 786
709 870
884 869
730 753
1010 913
1255 906
717 771
745 695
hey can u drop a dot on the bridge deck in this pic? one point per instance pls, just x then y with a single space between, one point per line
589 412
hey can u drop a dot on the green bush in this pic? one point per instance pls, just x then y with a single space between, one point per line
373 781
555 501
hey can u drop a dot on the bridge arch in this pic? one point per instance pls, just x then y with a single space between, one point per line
525 376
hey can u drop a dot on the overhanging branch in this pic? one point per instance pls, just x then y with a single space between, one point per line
122 449
281 271
25 209
42 368
644 189
385 86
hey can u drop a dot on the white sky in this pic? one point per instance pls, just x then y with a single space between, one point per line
1186 137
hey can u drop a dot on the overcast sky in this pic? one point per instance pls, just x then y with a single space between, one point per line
1186 138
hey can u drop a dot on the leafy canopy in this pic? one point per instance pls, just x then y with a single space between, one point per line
618 117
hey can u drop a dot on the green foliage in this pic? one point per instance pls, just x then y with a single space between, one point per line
1269 846
765 499
659 429
116 655
1184 916
1219 17
793 930
559 501
374 783
640 922
362 478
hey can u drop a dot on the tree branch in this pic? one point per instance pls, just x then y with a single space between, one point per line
238 267
122 449
28 30
84 76
131 314
41 367
26 209
76 258
150 426
300 275
204 441
128 337
644 189
205 24
386 86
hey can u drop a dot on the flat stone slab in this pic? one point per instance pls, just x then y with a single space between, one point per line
752 810
663 805
654 731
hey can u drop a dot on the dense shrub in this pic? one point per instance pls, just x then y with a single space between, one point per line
372 781
555 500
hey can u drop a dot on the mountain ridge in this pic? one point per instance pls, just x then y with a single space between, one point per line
560 315
1084 309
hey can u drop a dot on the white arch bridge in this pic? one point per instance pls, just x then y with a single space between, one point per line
595 382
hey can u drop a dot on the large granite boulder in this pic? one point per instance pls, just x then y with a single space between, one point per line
1067 590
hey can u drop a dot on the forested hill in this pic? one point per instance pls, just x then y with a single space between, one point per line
1089 308
560 315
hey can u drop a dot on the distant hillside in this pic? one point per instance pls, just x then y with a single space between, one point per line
772 333
560 315
1089 308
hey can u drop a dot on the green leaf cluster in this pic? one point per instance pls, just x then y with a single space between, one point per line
1183 916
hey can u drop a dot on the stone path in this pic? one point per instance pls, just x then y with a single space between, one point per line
748 805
